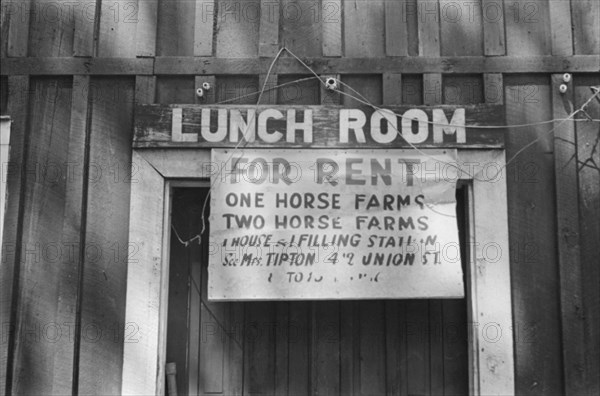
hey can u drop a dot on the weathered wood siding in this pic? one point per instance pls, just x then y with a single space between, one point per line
71 72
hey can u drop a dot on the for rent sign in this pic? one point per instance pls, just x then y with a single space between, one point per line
335 224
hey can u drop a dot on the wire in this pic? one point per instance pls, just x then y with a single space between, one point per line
362 99
242 139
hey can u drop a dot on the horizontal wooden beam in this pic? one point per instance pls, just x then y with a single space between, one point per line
76 66
288 65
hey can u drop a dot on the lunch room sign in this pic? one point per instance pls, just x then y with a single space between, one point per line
369 217
317 126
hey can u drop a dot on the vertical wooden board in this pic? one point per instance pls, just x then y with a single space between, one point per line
325 365
349 348
208 94
396 353
527 27
396 28
203 28
210 376
42 262
461 27
493 88
436 348
146 19
392 89
494 42
259 349
237 29
268 95
332 14
282 344
365 87
179 89
463 89
588 166
456 323
85 18
268 36
456 346
412 26
417 341
300 26
5 13
372 348
178 299
586 29
68 288
567 199
532 225
230 88
107 216
175 33
234 354
51 34
429 27
299 334
364 29
560 26
4 95
214 316
18 29
18 108
296 92
412 89
432 88
117 29
145 89
145 315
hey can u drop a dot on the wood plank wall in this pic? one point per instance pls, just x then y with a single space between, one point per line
69 83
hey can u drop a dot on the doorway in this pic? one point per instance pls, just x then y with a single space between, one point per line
375 347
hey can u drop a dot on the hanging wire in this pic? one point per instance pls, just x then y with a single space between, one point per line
361 99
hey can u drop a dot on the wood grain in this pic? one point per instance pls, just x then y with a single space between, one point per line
532 225
588 170
52 33
429 28
204 28
18 29
494 42
392 89
527 27
364 29
332 28
268 36
18 106
396 28
237 30
117 29
560 26
569 243
461 26
176 27
173 65
146 27
104 277
153 124
586 30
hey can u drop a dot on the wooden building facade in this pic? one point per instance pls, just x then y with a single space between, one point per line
72 74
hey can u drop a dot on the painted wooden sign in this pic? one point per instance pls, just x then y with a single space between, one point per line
336 224
317 126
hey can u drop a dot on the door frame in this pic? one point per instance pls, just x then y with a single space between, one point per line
156 171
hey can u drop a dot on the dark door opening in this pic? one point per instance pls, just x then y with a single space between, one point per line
380 347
